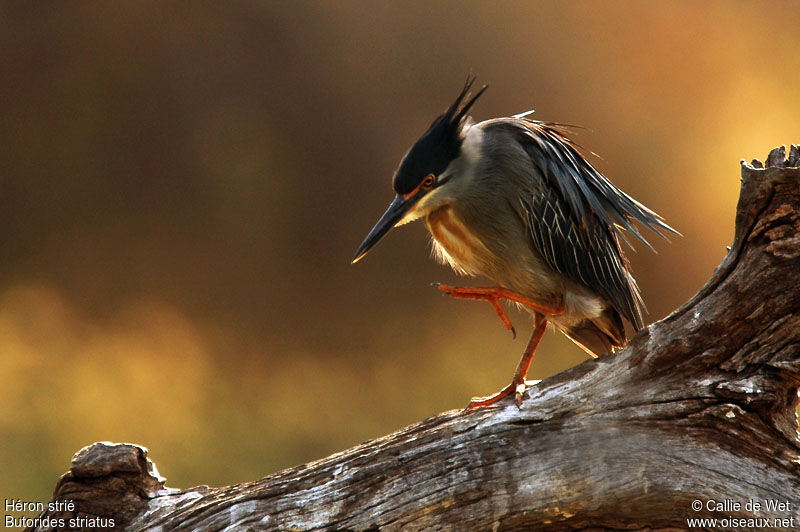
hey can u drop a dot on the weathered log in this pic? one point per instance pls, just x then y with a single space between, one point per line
699 407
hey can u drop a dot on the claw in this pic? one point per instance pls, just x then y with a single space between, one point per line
476 402
518 383
519 391
480 294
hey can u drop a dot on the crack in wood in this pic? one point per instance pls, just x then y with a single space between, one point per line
699 405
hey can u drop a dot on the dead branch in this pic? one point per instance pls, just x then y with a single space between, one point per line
699 407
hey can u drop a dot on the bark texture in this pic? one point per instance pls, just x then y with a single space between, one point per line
699 407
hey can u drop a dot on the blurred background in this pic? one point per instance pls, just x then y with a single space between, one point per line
183 186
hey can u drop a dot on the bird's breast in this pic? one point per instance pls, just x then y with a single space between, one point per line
455 244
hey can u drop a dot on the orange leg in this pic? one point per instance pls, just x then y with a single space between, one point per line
518 384
494 295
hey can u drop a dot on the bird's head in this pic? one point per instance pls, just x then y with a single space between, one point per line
423 172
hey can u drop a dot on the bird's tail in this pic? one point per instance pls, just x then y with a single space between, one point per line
599 336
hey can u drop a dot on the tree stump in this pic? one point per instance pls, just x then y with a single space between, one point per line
694 419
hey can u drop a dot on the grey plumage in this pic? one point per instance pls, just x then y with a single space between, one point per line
575 221
513 200
551 224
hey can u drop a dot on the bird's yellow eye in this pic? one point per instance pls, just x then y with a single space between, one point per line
429 181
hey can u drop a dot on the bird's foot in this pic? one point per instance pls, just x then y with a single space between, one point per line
480 294
494 295
516 388
518 383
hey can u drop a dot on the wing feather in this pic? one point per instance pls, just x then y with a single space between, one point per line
577 216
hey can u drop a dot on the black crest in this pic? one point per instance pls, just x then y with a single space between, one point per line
439 145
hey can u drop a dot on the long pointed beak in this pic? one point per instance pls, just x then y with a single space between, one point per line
397 209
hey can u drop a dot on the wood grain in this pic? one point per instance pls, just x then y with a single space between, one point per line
699 406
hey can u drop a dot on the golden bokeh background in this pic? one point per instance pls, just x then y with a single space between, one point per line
183 186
